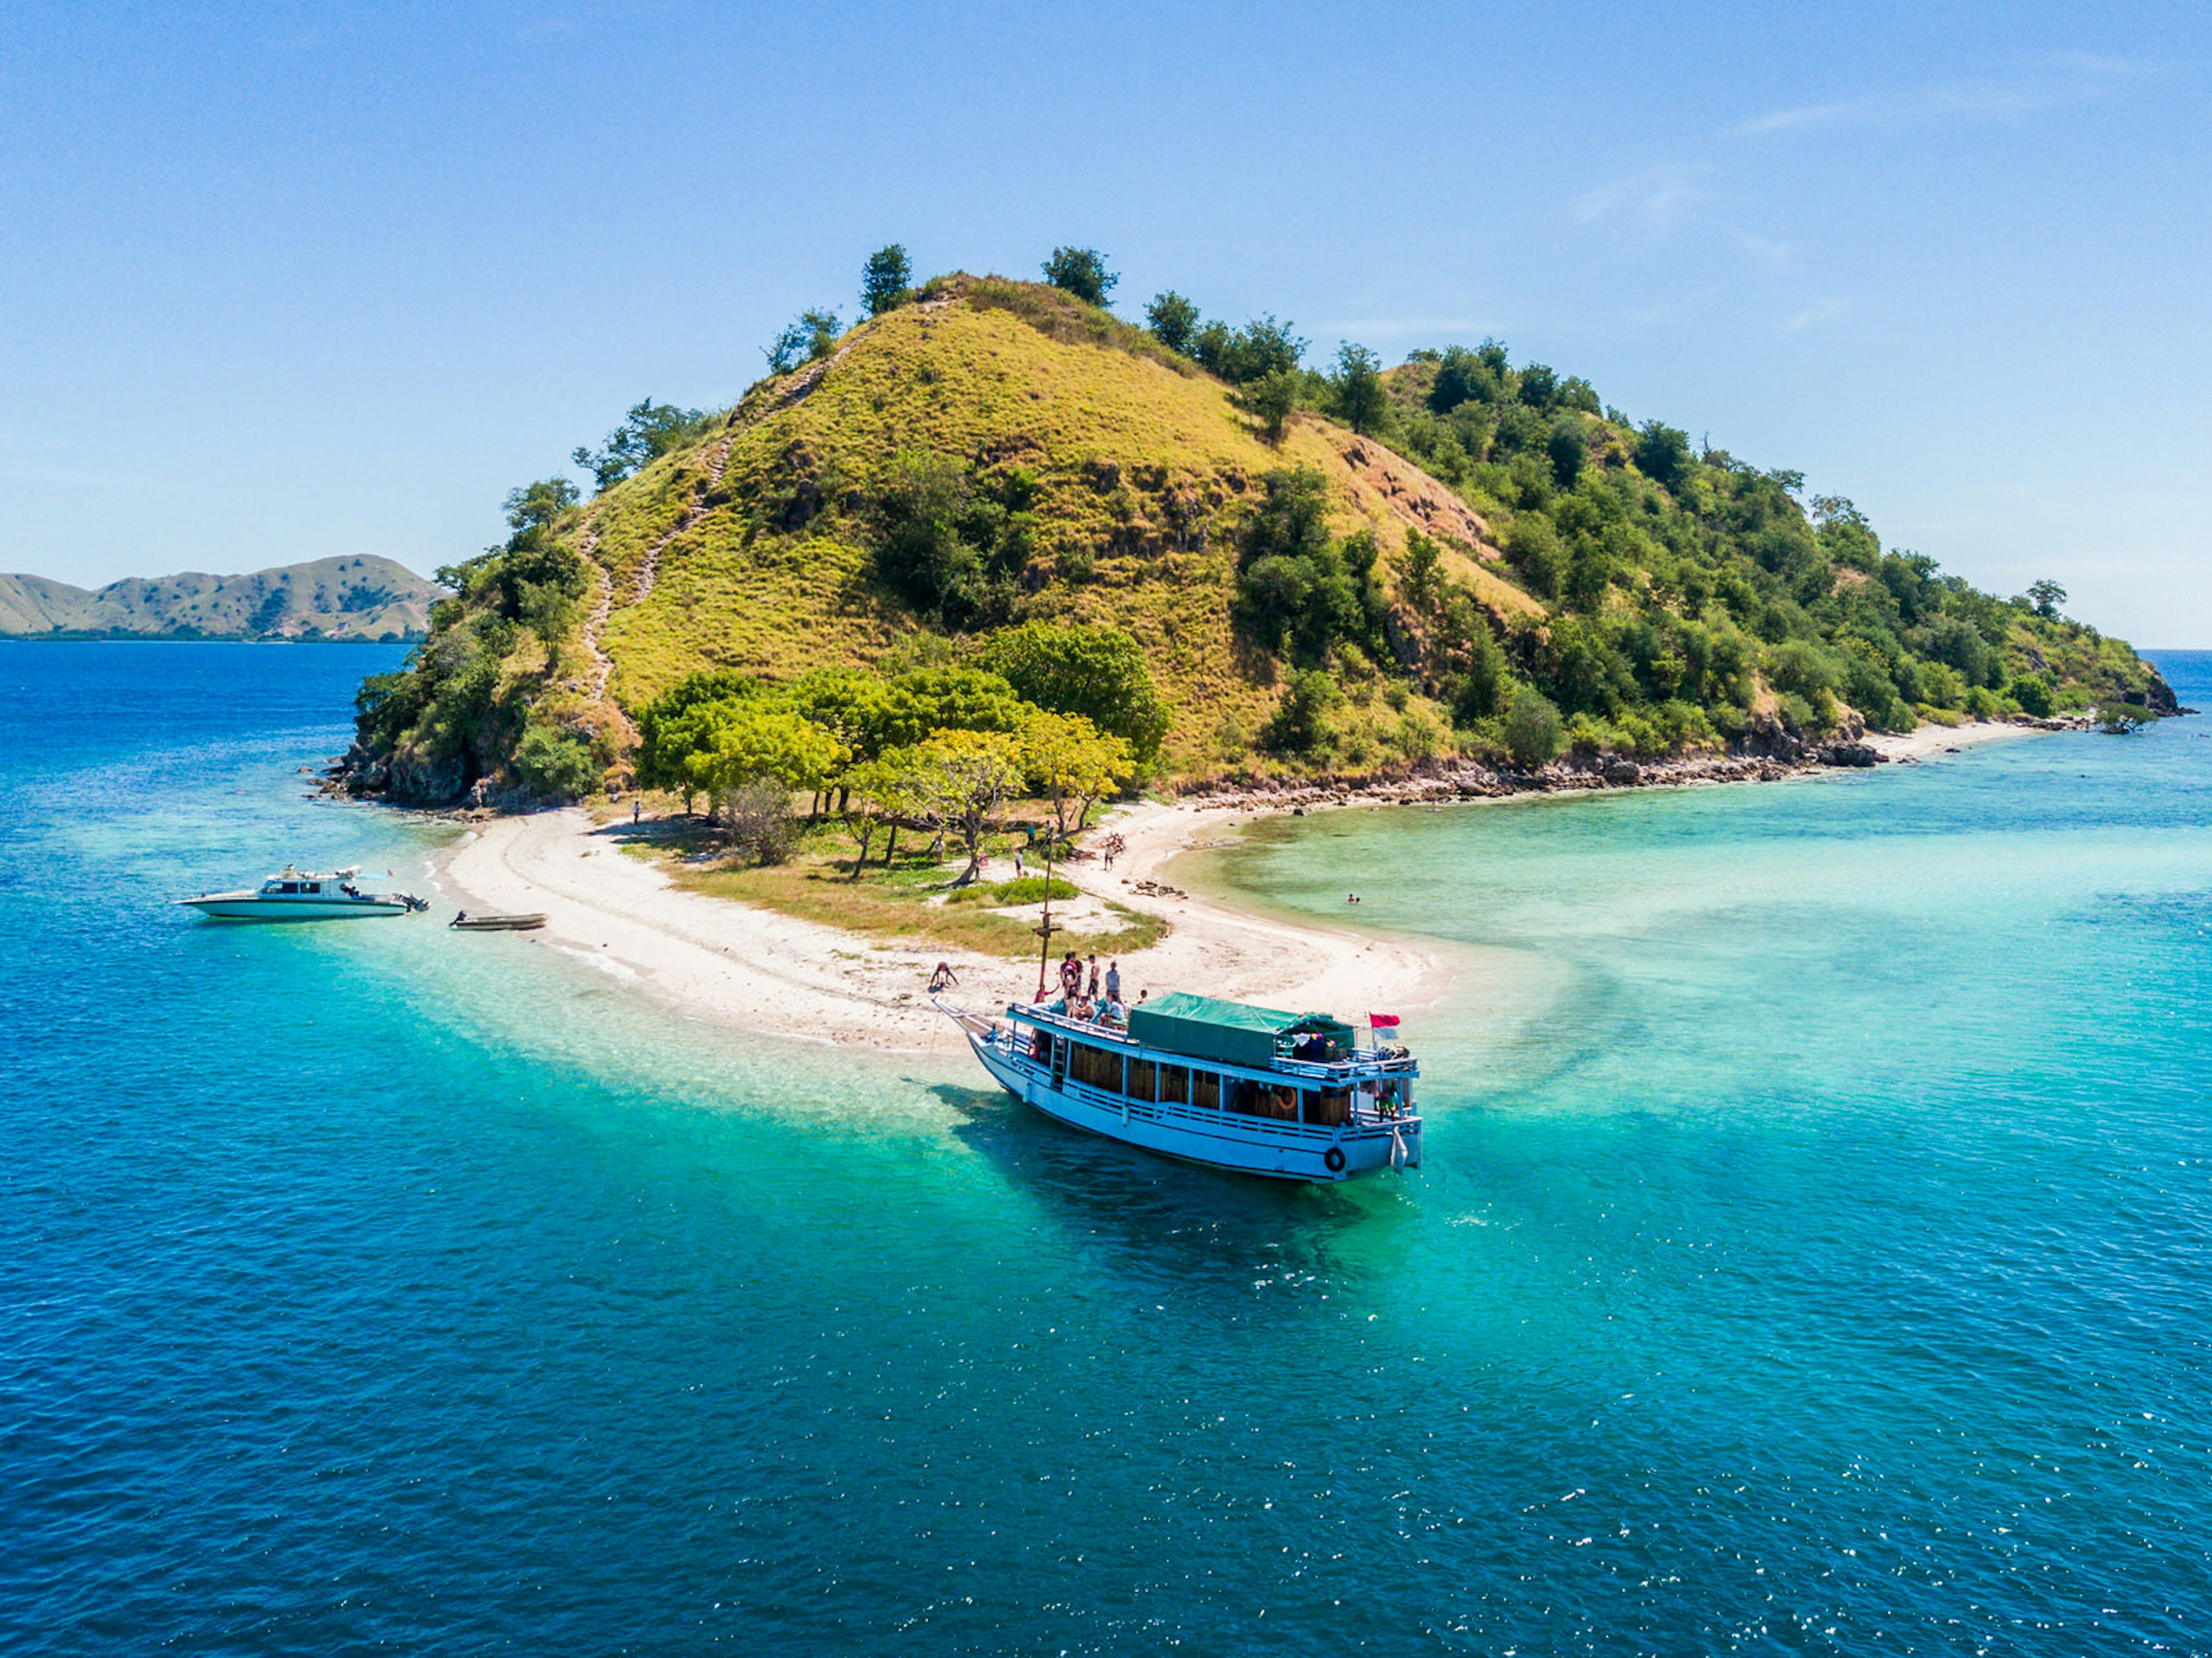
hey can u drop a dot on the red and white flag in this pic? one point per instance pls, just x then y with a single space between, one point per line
1382 1021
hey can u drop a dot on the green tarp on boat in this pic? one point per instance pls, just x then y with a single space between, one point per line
1230 1032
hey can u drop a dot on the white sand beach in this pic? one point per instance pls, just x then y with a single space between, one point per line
752 969
1931 742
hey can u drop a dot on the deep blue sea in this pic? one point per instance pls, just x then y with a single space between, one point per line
1812 1255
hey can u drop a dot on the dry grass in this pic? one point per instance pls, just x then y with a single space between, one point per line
1144 467
886 906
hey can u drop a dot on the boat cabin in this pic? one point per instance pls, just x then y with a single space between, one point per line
1200 1052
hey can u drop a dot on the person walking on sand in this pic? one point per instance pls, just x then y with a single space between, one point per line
635 807
944 979
1020 868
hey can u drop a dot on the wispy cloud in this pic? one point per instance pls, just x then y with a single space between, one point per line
2054 82
1825 309
1660 197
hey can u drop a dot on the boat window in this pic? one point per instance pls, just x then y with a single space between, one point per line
1143 1083
311 886
289 886
1206 1090
1175 1085
1095 1067
1276 1100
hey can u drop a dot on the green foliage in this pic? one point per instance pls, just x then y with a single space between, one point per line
2118 718
886 281
1097 672
1240 356
2033 693
1299 593
811 338
1028 890
557 763
949 545
649 431
1271 400
1662 453
1173 319
1533 731
1532 548
1356 394
1081 271
2046 596
1300 723
1568 451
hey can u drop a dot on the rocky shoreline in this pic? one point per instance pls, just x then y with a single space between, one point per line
1778 756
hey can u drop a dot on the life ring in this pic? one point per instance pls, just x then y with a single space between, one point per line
1335 1158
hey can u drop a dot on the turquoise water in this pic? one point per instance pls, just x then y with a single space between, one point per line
1811 1255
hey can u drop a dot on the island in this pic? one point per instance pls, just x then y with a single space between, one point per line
340 600
882 639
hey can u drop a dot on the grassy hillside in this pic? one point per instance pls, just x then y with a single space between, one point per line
1471 561
332 599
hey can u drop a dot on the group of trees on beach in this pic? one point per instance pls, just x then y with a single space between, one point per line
1068 714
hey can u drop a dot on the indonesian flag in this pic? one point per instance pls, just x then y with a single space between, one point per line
1382 1021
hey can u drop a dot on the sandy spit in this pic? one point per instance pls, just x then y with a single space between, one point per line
731 964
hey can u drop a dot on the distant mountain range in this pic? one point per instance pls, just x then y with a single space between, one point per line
332 599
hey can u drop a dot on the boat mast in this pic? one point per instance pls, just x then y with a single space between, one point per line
1044 943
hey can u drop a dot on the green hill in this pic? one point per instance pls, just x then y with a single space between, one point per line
332 599
1491 563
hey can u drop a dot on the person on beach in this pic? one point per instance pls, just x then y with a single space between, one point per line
1020 868
635 807
944 979
1113 981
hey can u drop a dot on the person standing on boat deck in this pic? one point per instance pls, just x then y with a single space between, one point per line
1071 978
1092 991
1113 982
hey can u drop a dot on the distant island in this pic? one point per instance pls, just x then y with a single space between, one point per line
992 500
337 600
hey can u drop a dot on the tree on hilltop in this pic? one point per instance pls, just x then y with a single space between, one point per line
2046 596
886 281
1081 271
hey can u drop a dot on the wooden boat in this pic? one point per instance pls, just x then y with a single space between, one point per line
1289 1095
465 922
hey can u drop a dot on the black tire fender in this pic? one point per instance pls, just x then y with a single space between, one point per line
1335 1158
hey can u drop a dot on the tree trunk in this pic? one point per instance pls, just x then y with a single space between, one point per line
866 834
891 843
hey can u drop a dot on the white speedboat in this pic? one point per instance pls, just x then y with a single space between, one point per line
1290 1095
293 895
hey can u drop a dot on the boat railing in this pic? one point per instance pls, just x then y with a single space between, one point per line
1379 1061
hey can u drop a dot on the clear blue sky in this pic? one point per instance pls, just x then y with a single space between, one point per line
287 281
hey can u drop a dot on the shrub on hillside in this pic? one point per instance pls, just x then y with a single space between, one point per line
1300 723
1533 730
2033 693
560 763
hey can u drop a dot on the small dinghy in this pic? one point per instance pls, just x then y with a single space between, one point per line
465 922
